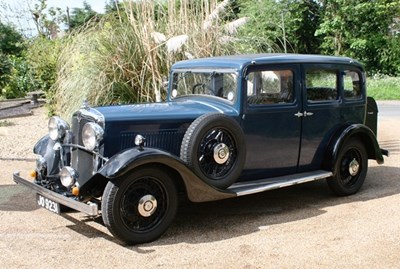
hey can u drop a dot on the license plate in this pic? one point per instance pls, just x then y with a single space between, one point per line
48 204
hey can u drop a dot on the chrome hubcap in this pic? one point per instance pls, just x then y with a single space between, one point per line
147 205
221 153
354 167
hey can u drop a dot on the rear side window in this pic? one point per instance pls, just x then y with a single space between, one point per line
270 87
352 85
321 85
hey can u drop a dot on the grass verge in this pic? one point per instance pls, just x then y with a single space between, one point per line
384 88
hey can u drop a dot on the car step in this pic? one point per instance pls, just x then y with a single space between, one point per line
250 187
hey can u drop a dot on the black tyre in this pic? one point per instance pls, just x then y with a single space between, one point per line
140 207
214 147
350 169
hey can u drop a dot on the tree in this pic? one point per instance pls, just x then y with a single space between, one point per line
112 6
47 21
302 19
11 41
264 32
281 26
80 16
12 45
359 29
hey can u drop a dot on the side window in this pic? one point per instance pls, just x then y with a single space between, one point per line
352 85
321 85
270 87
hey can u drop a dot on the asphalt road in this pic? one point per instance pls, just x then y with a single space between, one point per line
389 110
304 226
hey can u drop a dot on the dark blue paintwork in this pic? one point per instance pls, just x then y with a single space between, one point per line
196 189
175 110
150 119
239 62
296 118
277 141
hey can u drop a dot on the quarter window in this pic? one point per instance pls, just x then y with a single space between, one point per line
352 85
270 87
321 85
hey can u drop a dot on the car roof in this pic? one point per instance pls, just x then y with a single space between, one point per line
242 60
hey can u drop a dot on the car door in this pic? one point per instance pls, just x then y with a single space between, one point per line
322 113
333 95
272 129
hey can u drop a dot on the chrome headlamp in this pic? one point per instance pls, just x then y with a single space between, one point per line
57 128
68 176
92 135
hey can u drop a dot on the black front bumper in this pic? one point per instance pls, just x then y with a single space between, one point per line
90 209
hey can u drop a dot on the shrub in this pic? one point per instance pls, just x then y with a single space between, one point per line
42 57
19 80
126 57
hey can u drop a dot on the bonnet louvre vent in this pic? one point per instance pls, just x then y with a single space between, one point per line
169 140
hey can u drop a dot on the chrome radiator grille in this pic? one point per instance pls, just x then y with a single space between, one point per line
80 159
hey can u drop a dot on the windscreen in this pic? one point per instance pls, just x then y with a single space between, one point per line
218 83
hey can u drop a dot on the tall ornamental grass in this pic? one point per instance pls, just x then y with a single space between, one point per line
126 57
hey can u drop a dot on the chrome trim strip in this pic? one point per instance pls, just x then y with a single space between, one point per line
250 187
90 209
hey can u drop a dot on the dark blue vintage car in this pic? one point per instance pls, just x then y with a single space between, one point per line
232 126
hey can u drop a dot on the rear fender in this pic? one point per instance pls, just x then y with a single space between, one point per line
124 162
344 134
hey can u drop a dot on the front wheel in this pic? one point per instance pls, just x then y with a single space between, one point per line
140 207
350 169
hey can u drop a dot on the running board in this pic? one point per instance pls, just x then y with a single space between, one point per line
250 187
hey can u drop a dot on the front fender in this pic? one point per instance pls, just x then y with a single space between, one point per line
196 189
358 131
45 148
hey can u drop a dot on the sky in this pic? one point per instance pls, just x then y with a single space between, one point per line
11 9
97 5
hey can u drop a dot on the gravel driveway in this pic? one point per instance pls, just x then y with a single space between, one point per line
298 227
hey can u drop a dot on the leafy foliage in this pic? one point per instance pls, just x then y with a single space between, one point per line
126 58
302 19
124 55
81 16
18 80
12 42
358 29
42 57
264 31
383 87
14 72
47 19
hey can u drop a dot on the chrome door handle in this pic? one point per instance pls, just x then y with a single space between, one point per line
299 114
308 114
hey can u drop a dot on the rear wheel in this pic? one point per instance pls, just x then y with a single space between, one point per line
350 169
140 207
